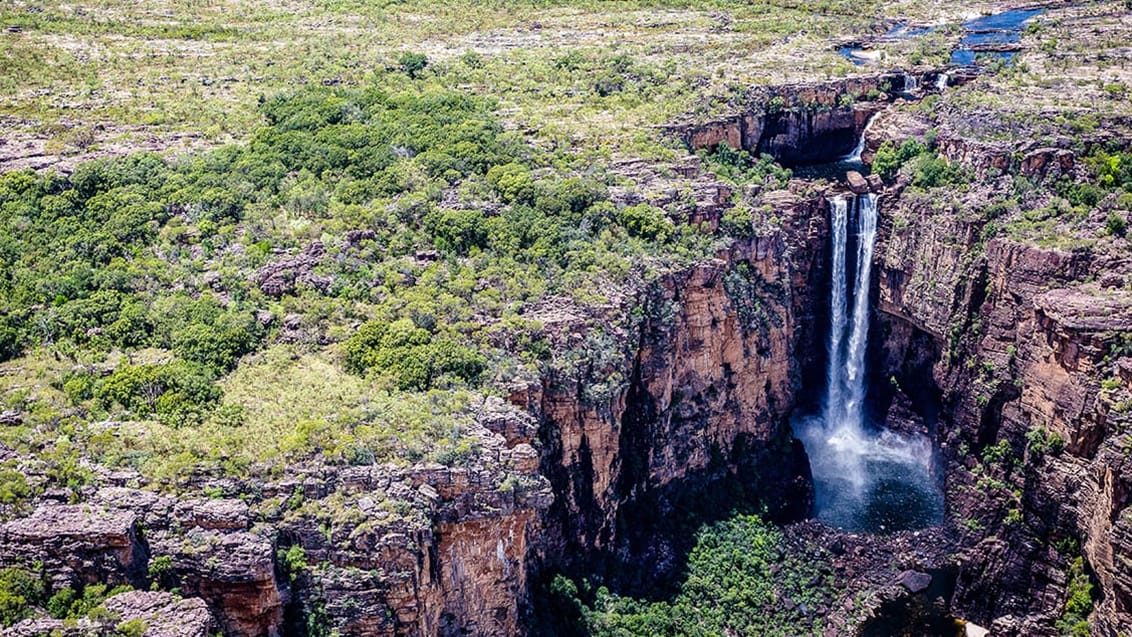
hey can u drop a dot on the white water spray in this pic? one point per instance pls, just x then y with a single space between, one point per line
941 82
911 83
848 335
864 480
859 149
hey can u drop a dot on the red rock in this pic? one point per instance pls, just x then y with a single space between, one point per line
857 182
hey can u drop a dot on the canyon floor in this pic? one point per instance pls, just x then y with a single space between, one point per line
471 318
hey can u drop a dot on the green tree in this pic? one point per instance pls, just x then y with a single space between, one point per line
20 592
413 63
645 221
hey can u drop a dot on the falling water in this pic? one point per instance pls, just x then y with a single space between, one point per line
864 480
941 82
910 83
839 220
855 156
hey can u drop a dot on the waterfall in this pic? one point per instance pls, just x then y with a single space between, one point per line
834 399
864 479
941 82
859 328
910 83
843 405
855 156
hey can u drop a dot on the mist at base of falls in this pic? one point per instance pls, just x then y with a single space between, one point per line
865 478
871 481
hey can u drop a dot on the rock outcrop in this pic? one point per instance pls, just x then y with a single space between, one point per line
800 123
1020 353
372 550
694 392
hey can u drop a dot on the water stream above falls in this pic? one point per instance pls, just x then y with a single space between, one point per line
992 37
865 478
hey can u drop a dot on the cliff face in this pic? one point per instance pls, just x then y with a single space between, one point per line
370 550
605 471
803 123
709 364
1021 346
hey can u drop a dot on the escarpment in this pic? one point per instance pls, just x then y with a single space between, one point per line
1021 345
806 123
664 403
706 370
369 550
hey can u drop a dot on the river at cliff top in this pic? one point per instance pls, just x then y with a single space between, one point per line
982 36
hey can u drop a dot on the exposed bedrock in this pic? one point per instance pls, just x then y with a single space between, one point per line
801 124
370 550
709 363
1017 344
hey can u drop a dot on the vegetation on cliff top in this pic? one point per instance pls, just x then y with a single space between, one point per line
402 235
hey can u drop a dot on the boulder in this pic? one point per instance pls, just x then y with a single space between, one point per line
77 543
857 182
914 581
164 615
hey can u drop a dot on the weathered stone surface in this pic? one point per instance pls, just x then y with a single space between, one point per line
233 572
915 582
77 544
706 381
164 615
284 275
213 514
1014 342
797 123
857 182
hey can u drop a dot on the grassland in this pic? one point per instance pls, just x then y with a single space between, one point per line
284 126
82 79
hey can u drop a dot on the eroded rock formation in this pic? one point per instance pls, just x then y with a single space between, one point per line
706 372
1019 344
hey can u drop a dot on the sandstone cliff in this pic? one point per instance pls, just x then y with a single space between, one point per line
369 550
1019 348
706 363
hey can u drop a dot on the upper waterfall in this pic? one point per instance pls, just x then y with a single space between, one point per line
859 149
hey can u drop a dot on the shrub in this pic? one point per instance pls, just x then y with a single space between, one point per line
740 167
513 182
14 489
218 345
67 603
132 628
570 195
645 221
9 341
933 171
294 561
457 230
1041 441
736 575
177 390
161 572
1116 225
1078 603
736 222
889 157
998 453
413 63
20 592
411 355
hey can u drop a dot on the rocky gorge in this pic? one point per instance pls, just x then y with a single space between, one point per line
1012 356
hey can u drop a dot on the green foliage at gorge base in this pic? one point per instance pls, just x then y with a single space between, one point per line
738 579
